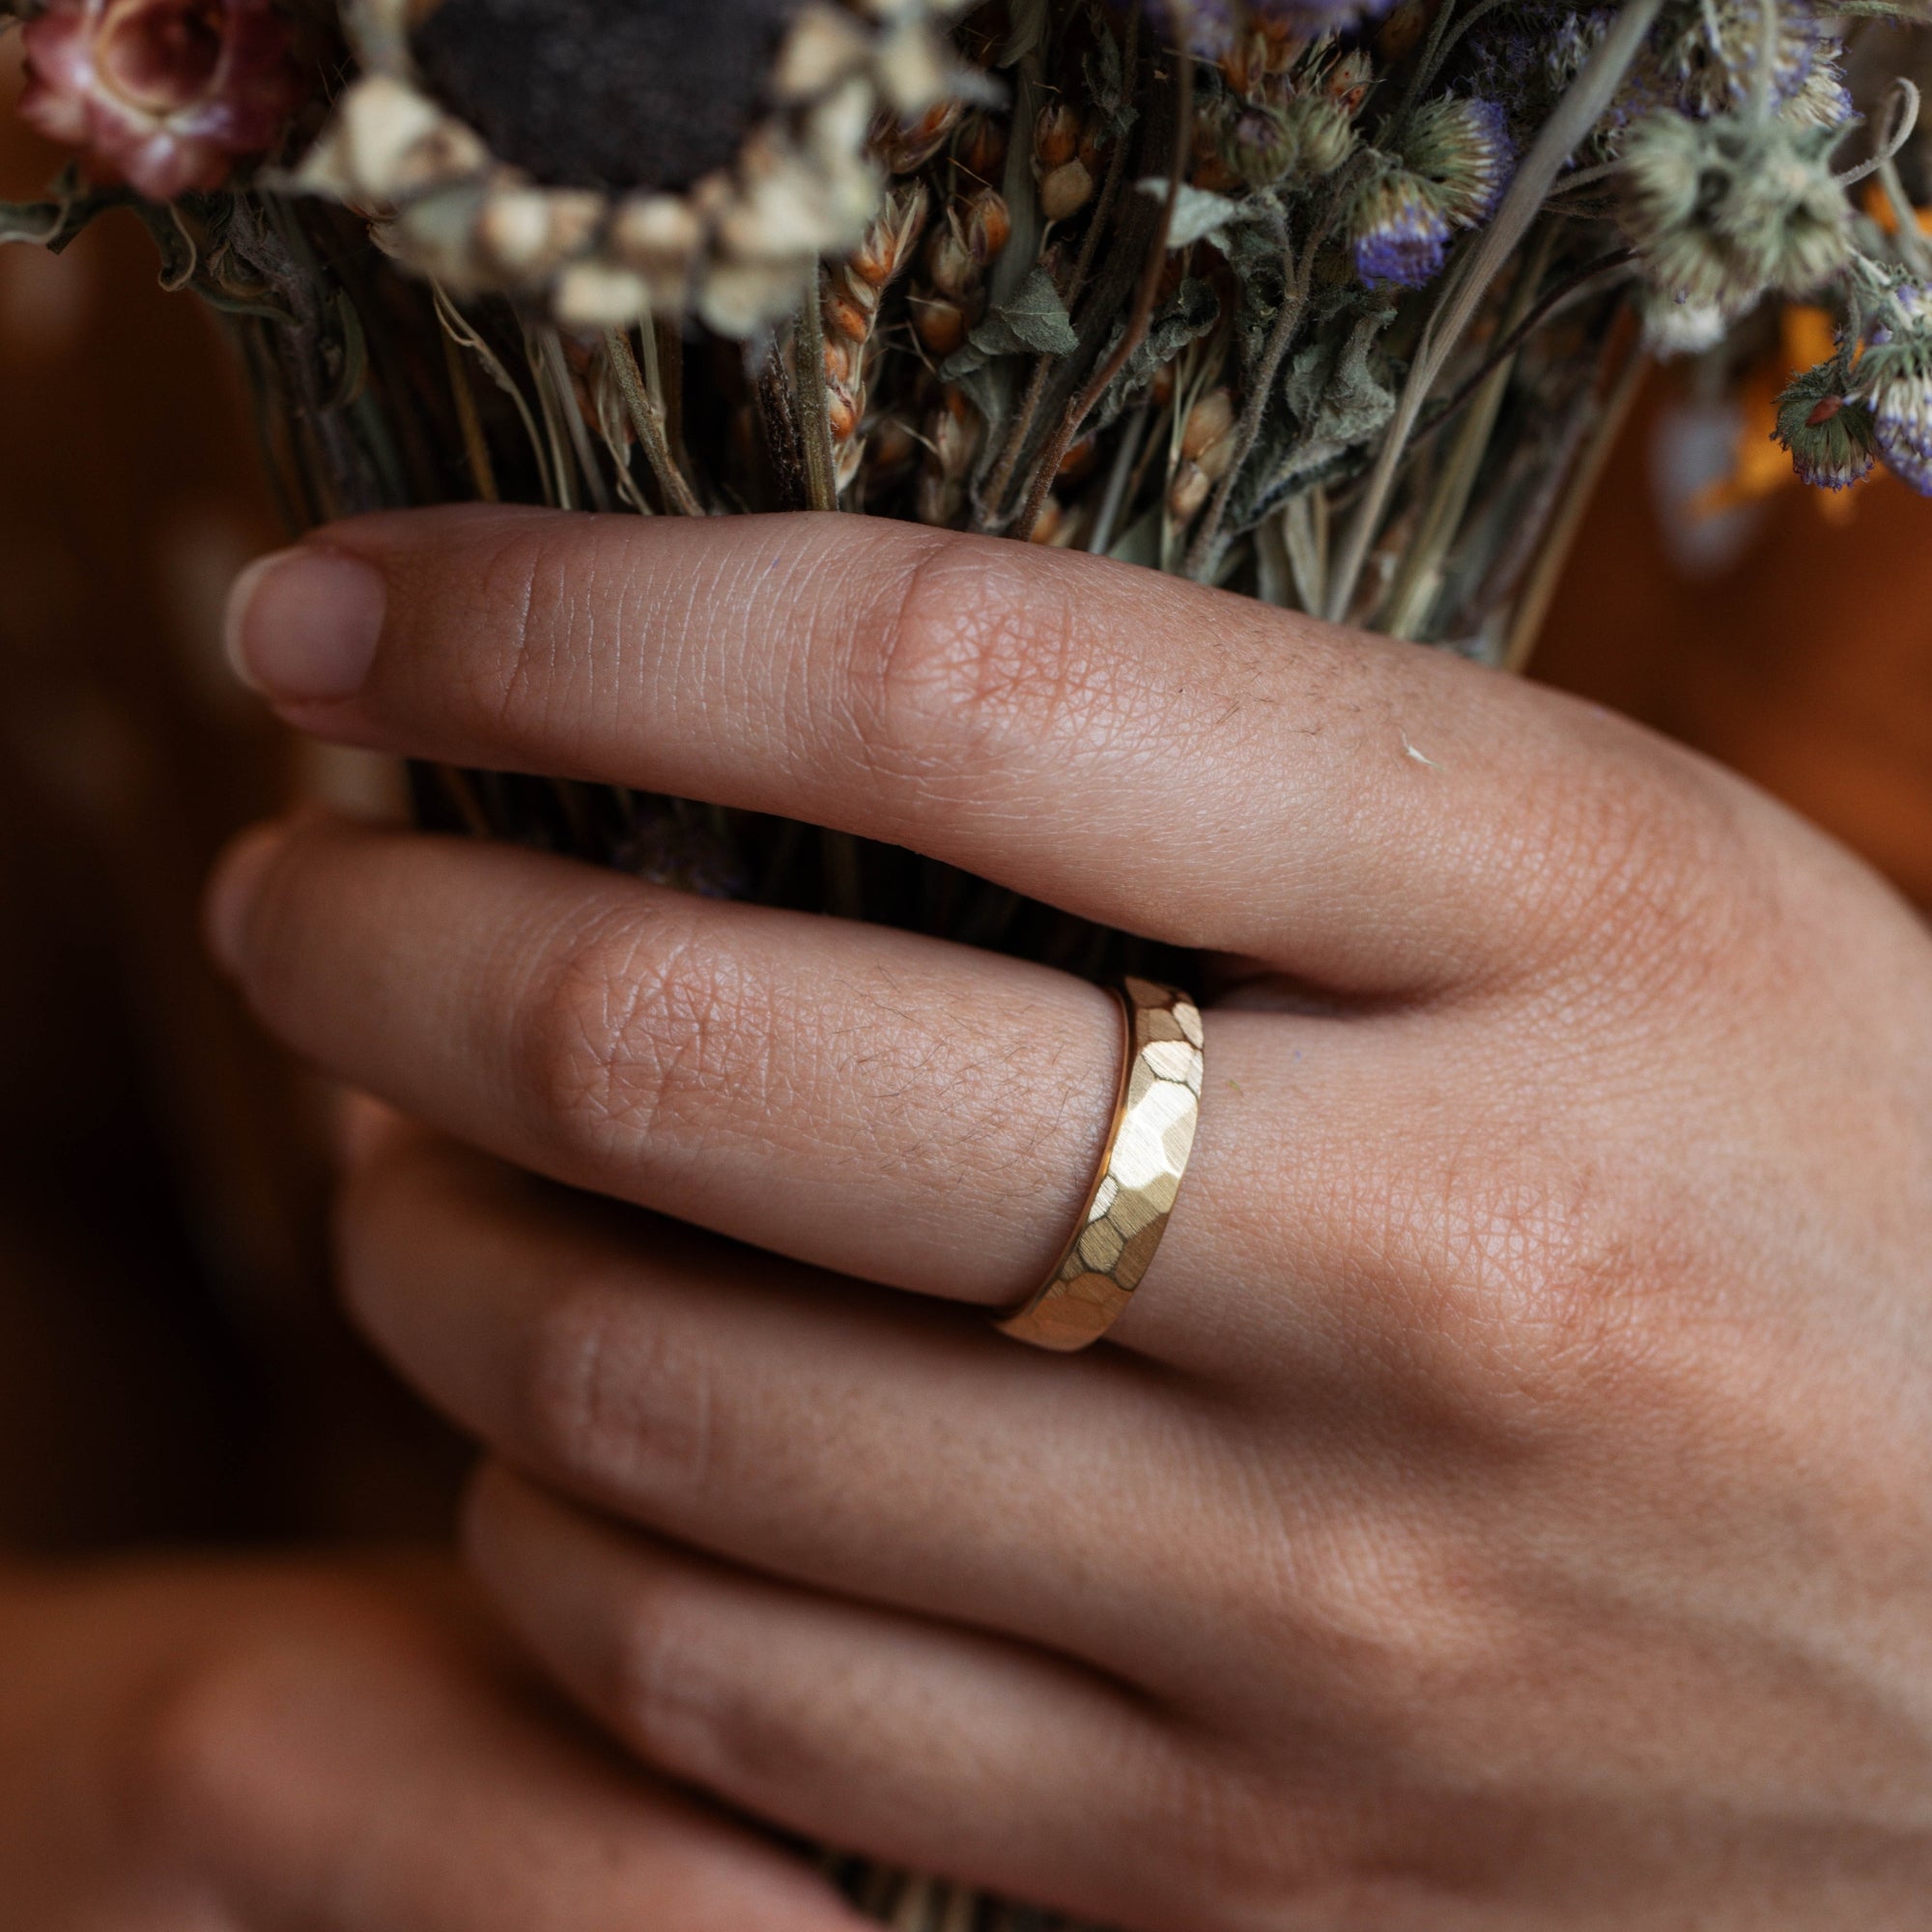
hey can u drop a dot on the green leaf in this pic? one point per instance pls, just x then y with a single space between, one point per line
1106 85
1032 318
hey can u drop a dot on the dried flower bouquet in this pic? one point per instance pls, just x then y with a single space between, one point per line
1335 303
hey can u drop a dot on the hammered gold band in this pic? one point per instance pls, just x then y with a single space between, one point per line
1155 1118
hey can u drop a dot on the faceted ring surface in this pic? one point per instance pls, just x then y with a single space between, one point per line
1155 1118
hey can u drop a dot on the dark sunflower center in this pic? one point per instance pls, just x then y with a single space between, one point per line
611 93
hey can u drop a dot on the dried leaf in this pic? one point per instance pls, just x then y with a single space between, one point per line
1106 86
1032 318
1199 214
1192 312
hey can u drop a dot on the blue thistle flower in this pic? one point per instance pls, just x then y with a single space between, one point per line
1895 381
1399 232
1462 147
1831 434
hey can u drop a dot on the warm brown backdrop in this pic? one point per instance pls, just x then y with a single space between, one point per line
168 1361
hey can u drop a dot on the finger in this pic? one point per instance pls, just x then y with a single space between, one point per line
1155 755
889 1106
951 1752
358 1766
819 1432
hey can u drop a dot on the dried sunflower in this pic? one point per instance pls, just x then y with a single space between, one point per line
605 160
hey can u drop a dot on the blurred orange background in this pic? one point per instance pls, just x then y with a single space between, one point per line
169 1361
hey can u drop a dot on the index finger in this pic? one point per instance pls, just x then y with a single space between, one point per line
1178 761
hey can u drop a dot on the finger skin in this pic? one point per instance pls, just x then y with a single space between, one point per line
943 1750
301 1746
1153 755
894 1107
812 1430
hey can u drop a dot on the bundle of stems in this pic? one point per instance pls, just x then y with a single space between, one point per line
1333 305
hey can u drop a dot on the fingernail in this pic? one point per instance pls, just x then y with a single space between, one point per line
302 624
231 894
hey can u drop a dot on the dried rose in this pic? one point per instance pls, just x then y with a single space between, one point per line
161 94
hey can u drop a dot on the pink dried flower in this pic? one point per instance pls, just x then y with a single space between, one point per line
161 94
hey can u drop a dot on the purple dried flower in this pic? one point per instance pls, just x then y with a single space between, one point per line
1399 232
1209 28
1831 434
1462 147
1895 381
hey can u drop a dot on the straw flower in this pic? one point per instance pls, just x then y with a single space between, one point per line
165 95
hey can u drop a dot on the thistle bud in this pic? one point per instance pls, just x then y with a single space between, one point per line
1259 146
1323 132
1348 82
1463 148
1398 232
1056 136
1723 210
1830 435
1065 192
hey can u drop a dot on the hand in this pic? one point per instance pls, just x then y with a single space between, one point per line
1507 1502
330 1748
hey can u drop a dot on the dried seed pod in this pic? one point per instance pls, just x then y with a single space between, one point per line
951 442
981 151
940 322
904 147
1187 492
987 225
1204 435
1065 192
1056 136
849 299
950 264
1078 461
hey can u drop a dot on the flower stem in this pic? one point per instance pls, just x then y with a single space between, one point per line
1575 115
647 420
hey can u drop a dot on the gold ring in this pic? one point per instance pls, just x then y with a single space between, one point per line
1155 1118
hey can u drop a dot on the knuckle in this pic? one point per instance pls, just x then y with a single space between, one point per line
982 658
1649 867
638 1039
612 1399
684 1713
